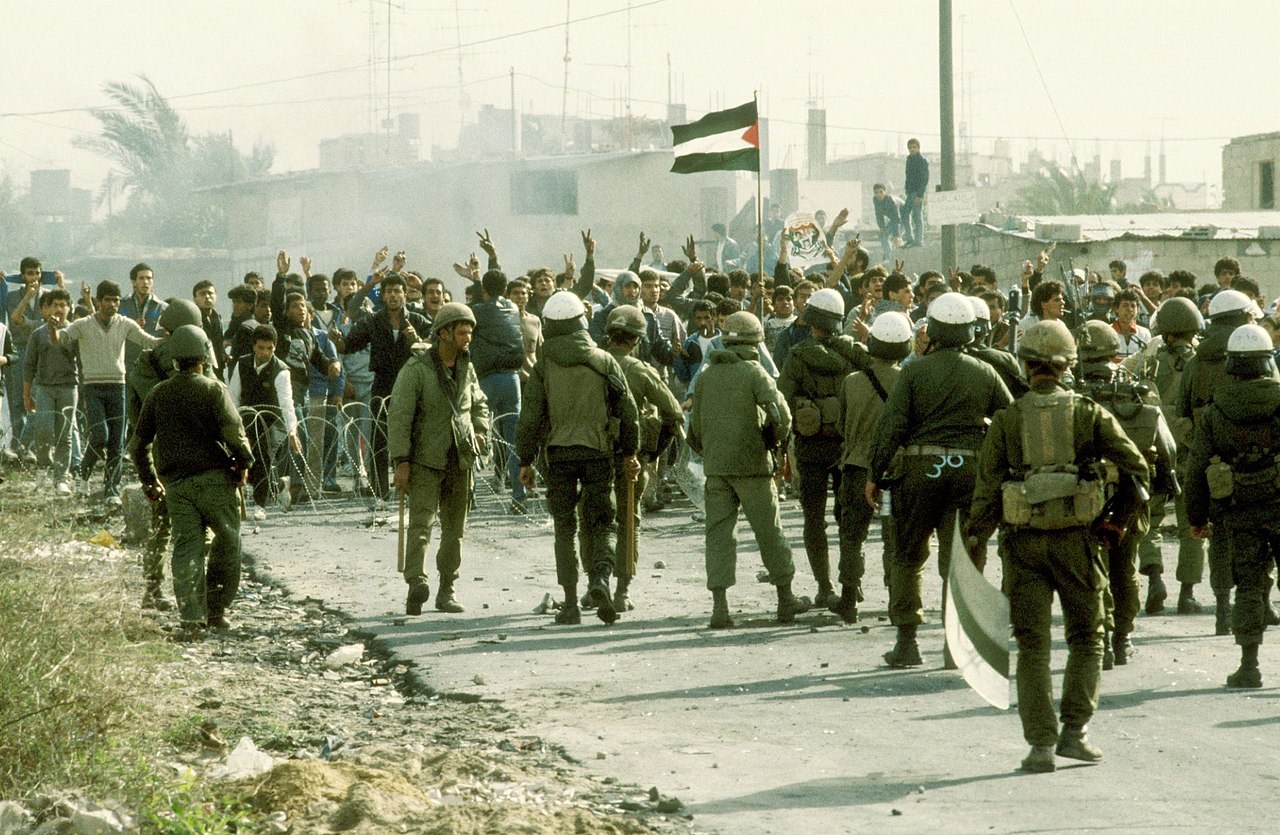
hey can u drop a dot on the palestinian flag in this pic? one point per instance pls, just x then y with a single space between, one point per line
977 627
727 140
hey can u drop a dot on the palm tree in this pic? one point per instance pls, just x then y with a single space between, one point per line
159 166
1055 192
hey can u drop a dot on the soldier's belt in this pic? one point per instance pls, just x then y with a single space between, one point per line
929 449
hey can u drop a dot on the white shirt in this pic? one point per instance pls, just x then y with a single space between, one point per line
284 394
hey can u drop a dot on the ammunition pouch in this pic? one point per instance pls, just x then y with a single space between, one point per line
817 417
1048 501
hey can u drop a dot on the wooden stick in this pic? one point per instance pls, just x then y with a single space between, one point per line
244 508
400 545
631 528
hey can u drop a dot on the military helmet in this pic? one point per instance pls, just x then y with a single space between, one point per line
825 309
1178 315
188 342
1098 342
1250 341
951 320
1048 341
452 313
626 318
743 328
563 313
890 337
1250 353
1232 301
179 312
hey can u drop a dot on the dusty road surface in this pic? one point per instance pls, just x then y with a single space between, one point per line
767 728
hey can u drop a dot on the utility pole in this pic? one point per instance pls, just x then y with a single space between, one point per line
947 124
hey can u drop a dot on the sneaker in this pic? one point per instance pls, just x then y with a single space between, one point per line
331 490
9 456
189 632
259 513
82 487
62 488
218 622
113 502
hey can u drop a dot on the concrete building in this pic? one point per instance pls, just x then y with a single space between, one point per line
1249 172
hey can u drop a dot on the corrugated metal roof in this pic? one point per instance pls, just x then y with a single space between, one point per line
1196 225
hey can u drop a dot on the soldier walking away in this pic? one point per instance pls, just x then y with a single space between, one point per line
576 405
1232 469
1114 390
740 450
1039 475
811 382
661 422
862 398
191 451
1204 374
436 426
1178 321
936 414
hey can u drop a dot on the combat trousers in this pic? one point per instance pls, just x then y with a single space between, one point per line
931 488
1122 600
813 483
591 480
204 502
1251 547
620 568
758 498
1220 576
445 493
1041 563
855 522
1190 550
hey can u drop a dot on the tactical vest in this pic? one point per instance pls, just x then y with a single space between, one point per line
1053 494
1139 420
1164 371
1252 475
817 410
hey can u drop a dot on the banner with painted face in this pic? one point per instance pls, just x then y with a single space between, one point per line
805 241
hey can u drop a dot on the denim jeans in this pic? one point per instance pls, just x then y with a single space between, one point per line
502 389
104 411
54 416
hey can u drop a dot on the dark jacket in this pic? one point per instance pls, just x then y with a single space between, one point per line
187 427
1242 427
388 350
497 343
917 175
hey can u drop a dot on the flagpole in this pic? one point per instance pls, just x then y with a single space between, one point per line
759 211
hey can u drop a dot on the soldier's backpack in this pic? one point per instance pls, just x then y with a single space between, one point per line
1053 493
1252 476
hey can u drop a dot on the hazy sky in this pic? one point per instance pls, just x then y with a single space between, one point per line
1110 77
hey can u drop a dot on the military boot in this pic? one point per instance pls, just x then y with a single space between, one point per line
906 652
1187 603
1269 614
1248 675
1156 594
445 601
621 597
1108 654
570 613
720 609
1222 613
599 591
847 604
1074 744
155 599
419 594
1122 648
789 605
1040 760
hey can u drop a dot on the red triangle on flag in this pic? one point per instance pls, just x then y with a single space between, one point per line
752 134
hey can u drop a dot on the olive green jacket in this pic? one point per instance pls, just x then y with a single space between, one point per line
434 410
735 405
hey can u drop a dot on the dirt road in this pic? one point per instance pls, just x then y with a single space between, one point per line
765 728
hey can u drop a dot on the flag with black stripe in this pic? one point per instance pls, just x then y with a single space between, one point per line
726 140
977 627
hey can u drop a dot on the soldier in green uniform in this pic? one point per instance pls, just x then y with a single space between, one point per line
1201 378
1004 363
576 405
661 421
1039 475
1178 321
1117 392
738 425
191 451
436 427
811 380
1233 478
936 414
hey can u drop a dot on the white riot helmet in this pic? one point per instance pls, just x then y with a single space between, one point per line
951 319
825 309
563 313
981 318
1250 352
1232 301
890 337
